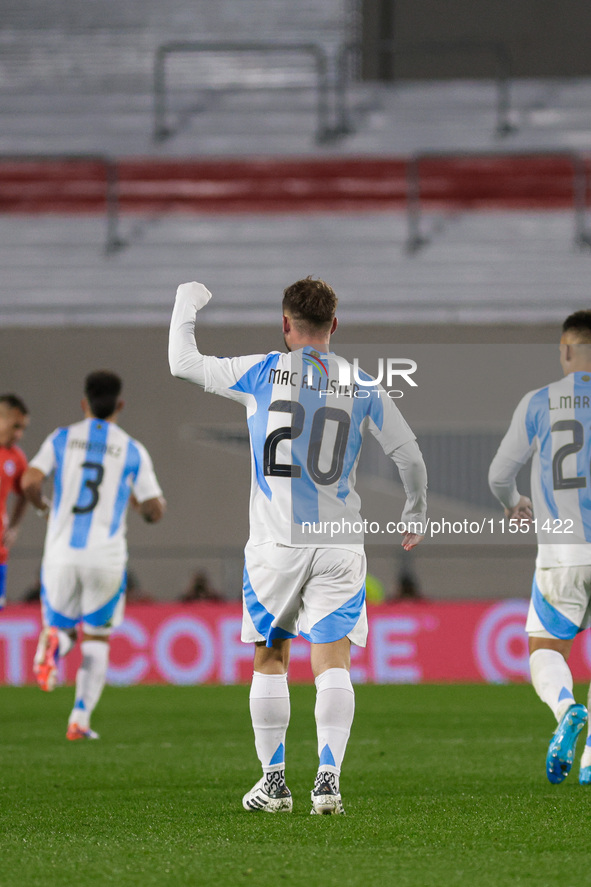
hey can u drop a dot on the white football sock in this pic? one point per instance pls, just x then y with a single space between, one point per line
269 711
65 642
335 707
552 680
90 680
586 757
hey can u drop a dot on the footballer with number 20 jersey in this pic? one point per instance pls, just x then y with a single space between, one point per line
304 565
96 466
304 426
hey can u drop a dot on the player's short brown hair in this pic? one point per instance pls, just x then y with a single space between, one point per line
310 303
579 322
13 402
102 389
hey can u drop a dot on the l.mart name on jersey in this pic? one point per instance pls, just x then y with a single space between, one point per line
568 402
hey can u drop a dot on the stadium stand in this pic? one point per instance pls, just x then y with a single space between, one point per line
81 80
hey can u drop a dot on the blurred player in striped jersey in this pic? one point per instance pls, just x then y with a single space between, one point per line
302 576
14 418
97 471
552 426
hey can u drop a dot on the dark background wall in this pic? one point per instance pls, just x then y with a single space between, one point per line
545 38
206 489
200 452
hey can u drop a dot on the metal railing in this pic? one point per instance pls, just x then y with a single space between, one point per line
162 129
498 51
113 240
416 239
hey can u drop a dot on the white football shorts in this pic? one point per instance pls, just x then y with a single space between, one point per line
560 604
71 594
316 592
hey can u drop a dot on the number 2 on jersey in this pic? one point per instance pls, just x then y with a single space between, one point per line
272 468
92 484
560 482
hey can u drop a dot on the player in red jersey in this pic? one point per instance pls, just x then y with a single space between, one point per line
14 418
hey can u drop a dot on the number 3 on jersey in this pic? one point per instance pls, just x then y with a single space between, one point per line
89 492
272 468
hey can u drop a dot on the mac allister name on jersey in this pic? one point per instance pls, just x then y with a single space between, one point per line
310 382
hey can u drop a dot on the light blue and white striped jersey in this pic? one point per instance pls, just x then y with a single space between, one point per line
553 426
306 432
95 467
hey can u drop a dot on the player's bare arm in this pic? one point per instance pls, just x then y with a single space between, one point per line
522 511
14 522
152 510
32 487
411 540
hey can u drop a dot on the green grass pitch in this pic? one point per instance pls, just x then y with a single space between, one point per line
443 785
